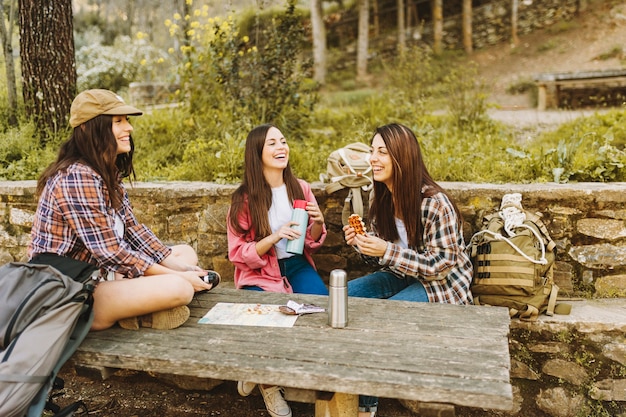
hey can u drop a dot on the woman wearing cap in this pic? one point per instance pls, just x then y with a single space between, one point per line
84 213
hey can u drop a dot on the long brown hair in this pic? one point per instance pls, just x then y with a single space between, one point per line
256 188
94 144
411 182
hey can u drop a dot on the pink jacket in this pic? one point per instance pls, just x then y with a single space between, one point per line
263 271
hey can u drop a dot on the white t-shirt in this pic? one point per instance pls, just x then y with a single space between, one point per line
403 240
279 214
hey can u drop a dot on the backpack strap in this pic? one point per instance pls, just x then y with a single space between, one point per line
552 300
550 245
499 236
352 204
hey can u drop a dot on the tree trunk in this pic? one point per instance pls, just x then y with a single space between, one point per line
6 35
401 28
130 16
376 16
437 9
514 38
467 26
362 41
319 41
48 63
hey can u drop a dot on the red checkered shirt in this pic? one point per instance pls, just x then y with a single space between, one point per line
74 218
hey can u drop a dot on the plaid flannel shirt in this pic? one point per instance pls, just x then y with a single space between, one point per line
443 266
74 218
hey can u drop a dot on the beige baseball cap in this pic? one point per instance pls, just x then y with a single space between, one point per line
92 103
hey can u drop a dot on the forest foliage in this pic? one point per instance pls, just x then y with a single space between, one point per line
233 73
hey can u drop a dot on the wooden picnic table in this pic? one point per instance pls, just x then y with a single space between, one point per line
433 353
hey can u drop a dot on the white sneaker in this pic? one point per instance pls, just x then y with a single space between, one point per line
245 388
274 401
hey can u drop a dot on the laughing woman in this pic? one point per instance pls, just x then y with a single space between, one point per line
259 226
416 233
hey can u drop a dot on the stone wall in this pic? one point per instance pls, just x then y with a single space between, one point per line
588 222
560 366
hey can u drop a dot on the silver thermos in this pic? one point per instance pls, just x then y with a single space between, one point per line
338 298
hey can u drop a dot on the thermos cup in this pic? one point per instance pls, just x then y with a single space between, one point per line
302 217
338 298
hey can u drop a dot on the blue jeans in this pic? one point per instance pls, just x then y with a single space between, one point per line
384 284
303 278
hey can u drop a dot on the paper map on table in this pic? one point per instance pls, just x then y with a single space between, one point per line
266 315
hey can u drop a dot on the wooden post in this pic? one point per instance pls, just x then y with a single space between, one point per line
467 26
401 27
339 405
437 12
514 38
541 97
362 41
376 17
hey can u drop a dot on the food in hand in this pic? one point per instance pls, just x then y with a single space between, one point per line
357 224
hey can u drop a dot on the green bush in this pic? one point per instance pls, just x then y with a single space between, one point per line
237 76
586 149
21 155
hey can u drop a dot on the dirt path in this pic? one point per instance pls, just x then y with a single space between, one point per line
593 41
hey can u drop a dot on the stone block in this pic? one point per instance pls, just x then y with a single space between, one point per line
566 370
605 229
609 390
560 402
611 286
22 218
224 267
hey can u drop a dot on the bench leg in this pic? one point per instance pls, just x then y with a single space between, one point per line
336 405
101 372
541 97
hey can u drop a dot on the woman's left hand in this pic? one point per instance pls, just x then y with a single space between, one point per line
370 245
315 213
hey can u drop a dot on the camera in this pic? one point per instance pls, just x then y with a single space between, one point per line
212 277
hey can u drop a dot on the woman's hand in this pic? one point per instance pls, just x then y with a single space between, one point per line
370 245
349 234
195 279
286 231
315 213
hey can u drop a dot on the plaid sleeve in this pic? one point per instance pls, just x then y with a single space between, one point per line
440 244
140 237
81 198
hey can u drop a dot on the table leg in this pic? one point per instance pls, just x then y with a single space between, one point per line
338 405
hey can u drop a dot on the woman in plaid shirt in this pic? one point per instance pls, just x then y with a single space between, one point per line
416 233
84 213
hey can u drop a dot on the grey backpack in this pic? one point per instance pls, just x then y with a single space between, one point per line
44 315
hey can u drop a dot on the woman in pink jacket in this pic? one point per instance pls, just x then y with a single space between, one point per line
259 226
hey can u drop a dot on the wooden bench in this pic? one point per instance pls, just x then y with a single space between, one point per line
433 353
581 88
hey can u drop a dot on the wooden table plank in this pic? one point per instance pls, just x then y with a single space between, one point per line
414 351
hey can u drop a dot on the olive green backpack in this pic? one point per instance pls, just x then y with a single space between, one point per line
513 258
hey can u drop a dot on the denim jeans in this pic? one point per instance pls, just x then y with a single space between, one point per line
384 284
303 278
